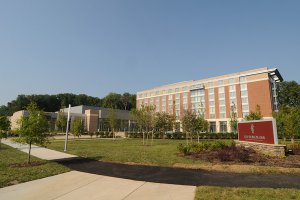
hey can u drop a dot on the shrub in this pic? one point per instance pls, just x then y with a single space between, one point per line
97 134
185 149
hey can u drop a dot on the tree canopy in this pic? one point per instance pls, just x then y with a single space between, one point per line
289 94
53 103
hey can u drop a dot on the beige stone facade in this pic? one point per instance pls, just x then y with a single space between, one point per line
214 97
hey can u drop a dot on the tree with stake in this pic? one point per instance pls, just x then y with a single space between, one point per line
33 128
4 127
77 127
254 115
113 122
61 122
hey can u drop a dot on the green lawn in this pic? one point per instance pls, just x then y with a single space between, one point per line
223 193
10 175
162 153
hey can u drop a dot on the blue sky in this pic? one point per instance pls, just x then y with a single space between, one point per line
97 47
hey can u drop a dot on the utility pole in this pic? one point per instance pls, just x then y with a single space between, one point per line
67 129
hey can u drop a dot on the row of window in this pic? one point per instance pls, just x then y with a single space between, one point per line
230 81
198 102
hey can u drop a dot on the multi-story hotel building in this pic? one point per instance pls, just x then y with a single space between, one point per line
214 97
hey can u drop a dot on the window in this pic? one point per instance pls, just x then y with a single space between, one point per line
244 100
231 81
184 88
232 94
245 108
243 79
211 110
212 127
243 87
197 101
211 91
223 127
222 115
163 106
244 93
221 89
221 82
210 84
140 95
211 103
212 116
222 102
176 89
232 88
211 97
163 92
157 104
170 91
157 93
222 96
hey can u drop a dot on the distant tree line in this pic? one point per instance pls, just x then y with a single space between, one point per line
52 103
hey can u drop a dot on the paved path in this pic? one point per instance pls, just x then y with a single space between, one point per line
83 185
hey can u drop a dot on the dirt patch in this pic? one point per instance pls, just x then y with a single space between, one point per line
25 164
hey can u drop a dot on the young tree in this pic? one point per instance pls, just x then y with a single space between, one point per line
4 127
77 127
233 118
61 122
189 124
33 128
280 117
113 121
164 122
254 115
292 123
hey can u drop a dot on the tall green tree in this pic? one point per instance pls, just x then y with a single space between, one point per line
289 93
189 124
77 127
4 127
254 115
33 128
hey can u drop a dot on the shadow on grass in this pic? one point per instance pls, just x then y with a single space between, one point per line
181 176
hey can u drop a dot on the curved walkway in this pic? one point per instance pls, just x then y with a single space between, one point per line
192 177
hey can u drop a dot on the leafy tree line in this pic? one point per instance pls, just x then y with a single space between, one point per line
52 103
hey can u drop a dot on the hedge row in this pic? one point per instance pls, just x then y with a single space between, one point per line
180 135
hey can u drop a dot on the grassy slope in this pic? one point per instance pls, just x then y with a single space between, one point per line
11 175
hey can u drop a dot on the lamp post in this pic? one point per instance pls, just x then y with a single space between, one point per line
67 129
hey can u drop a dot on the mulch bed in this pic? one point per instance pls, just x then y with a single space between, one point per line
234 155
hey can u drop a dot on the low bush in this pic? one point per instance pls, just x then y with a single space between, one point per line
184 149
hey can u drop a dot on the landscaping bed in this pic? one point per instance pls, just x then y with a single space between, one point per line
227 153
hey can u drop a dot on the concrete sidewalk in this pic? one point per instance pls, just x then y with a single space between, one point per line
40 152
81 185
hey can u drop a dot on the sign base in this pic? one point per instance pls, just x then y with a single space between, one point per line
272 150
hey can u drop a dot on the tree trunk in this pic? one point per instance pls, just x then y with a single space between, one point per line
0 142
198 137
29 152
152 138
143 138
293 140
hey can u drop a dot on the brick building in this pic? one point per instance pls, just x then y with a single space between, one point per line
214 97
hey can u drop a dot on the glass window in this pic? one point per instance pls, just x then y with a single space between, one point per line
221 89
222 115
211 97
222 102
243 86
211 91
244 93
221 82
211 110
211 103
223 127
176 89
231 81
221 96
210 84
232 94
212 116
244 100
243 79
245 107
170 91
184 88
232 88
157 93
212 126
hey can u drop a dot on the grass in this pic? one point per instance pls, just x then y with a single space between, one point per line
162 153
11 173
224 193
